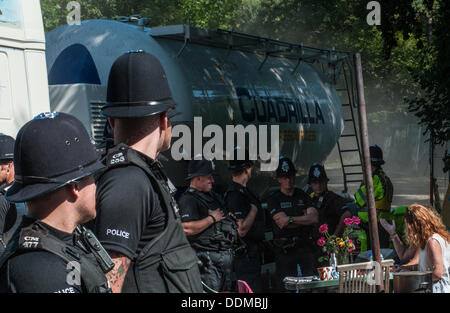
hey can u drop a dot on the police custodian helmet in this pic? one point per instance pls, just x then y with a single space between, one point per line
376 155
6 147
51 151
317 173
285 168
137 87
236 165
200 167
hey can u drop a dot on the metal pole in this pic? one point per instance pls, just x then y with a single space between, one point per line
431 171
373 227
429 32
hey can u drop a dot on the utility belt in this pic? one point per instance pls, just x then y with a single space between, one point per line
285 244
249 247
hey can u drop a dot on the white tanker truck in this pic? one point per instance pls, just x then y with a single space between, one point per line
223 77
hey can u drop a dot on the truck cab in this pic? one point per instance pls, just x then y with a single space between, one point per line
23 69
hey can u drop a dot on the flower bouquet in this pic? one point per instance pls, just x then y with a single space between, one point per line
340 246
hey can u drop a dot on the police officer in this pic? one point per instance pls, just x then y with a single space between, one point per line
138 220
210 229
247 209
332 207
8 211
383 193
54 164
294 218
171 113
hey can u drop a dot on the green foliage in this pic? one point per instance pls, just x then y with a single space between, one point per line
399 60
209 13
201 13
428 22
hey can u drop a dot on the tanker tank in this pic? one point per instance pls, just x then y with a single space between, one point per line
224 77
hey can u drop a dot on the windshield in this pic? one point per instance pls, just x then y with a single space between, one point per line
10 14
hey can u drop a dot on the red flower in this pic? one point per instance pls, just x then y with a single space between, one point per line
348 221
356 220
323 228
321 242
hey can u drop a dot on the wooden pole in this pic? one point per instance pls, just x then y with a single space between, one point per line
364 135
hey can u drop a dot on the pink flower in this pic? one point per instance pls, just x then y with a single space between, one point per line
348 221
350 242
323 228
321 242
356 220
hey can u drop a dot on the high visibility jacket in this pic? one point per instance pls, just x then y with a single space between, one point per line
383 192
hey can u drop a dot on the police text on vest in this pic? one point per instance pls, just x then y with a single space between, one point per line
117 232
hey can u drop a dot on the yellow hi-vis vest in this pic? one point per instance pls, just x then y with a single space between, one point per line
383 190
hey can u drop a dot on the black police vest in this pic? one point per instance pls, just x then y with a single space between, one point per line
12 208
325 205
222 235
256 232
167 263
294 205
33 236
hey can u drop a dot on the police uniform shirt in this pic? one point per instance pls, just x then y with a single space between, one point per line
192 210
40 271
129 214
330 209
238 201
4 208
295 205
8 212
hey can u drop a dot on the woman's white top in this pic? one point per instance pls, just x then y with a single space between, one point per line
442 285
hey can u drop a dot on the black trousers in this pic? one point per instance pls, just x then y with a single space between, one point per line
286 264
248 267
216 269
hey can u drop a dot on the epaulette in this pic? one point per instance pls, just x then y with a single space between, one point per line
117 156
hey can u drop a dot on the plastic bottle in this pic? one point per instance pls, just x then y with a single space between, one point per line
333 261
370 257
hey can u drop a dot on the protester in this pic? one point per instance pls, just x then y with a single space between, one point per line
426 233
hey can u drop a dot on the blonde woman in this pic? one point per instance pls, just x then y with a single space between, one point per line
426 237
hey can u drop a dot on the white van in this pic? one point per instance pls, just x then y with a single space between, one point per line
23 69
